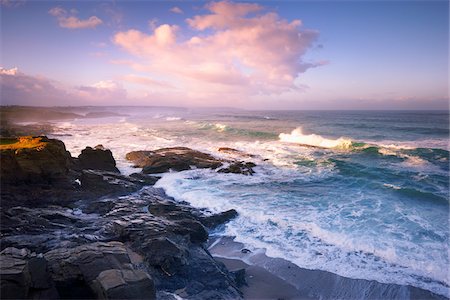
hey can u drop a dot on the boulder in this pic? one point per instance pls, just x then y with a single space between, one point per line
33 160
176 159
104 183
240 167
25 275
97 158
163 253
218 219
124 284
233 151
103 270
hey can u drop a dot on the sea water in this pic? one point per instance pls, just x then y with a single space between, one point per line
360 194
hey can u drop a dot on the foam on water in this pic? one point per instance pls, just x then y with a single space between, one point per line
297 136
267 221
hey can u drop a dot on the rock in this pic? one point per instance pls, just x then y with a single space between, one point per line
33 160
233 151
239 277
245 250
24 275
165 254
144 178
107 183
103 270
98 158
219 219
124 284
176 159
245 168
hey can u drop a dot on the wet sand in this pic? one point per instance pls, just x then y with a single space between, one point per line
276 278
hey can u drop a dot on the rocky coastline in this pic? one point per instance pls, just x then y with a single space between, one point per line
77 228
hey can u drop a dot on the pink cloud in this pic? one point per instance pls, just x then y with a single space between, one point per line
176 10
21 89
70 21
238 48
145 81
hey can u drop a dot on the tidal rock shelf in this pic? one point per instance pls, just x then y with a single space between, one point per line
76 228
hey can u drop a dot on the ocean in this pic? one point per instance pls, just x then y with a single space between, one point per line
363 194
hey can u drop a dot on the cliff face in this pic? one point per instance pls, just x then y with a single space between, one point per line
33 160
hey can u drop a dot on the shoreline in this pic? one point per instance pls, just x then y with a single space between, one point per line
277 278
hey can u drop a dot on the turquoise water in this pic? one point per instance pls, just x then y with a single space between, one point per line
360 194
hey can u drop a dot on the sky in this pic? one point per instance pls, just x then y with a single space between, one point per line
252 54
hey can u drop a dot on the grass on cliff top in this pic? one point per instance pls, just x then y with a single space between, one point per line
23 142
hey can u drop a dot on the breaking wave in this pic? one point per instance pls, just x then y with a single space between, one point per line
298 137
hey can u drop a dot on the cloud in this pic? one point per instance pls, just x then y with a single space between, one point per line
12 3
20 89
237 48
176 10
145 81
70 21
17 88
103 92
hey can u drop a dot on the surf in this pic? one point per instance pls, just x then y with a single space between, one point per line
298 137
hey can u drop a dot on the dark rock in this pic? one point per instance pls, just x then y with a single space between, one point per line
245 251
239 277
164 253
234 152
245 168
103 268
98 158
144 178
24 275
176 159
124 284
40 279
107 183
33 160
219 219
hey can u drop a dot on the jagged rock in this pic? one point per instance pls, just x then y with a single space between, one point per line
245 168
164 253
33 160
176 159
24 275
103 183
239 277
219 219
103 269
233 151
124 284
147 179
97 158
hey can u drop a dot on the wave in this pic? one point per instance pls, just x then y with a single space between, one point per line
297 137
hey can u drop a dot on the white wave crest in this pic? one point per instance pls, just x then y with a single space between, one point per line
297 136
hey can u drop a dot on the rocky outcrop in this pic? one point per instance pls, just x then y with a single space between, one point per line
240 167
33 160
106 235
25 275
97 158
182 158
104 270
176 159
219 219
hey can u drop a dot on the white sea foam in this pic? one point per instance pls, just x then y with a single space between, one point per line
297 137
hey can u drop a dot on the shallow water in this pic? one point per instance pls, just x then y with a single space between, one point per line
360 194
